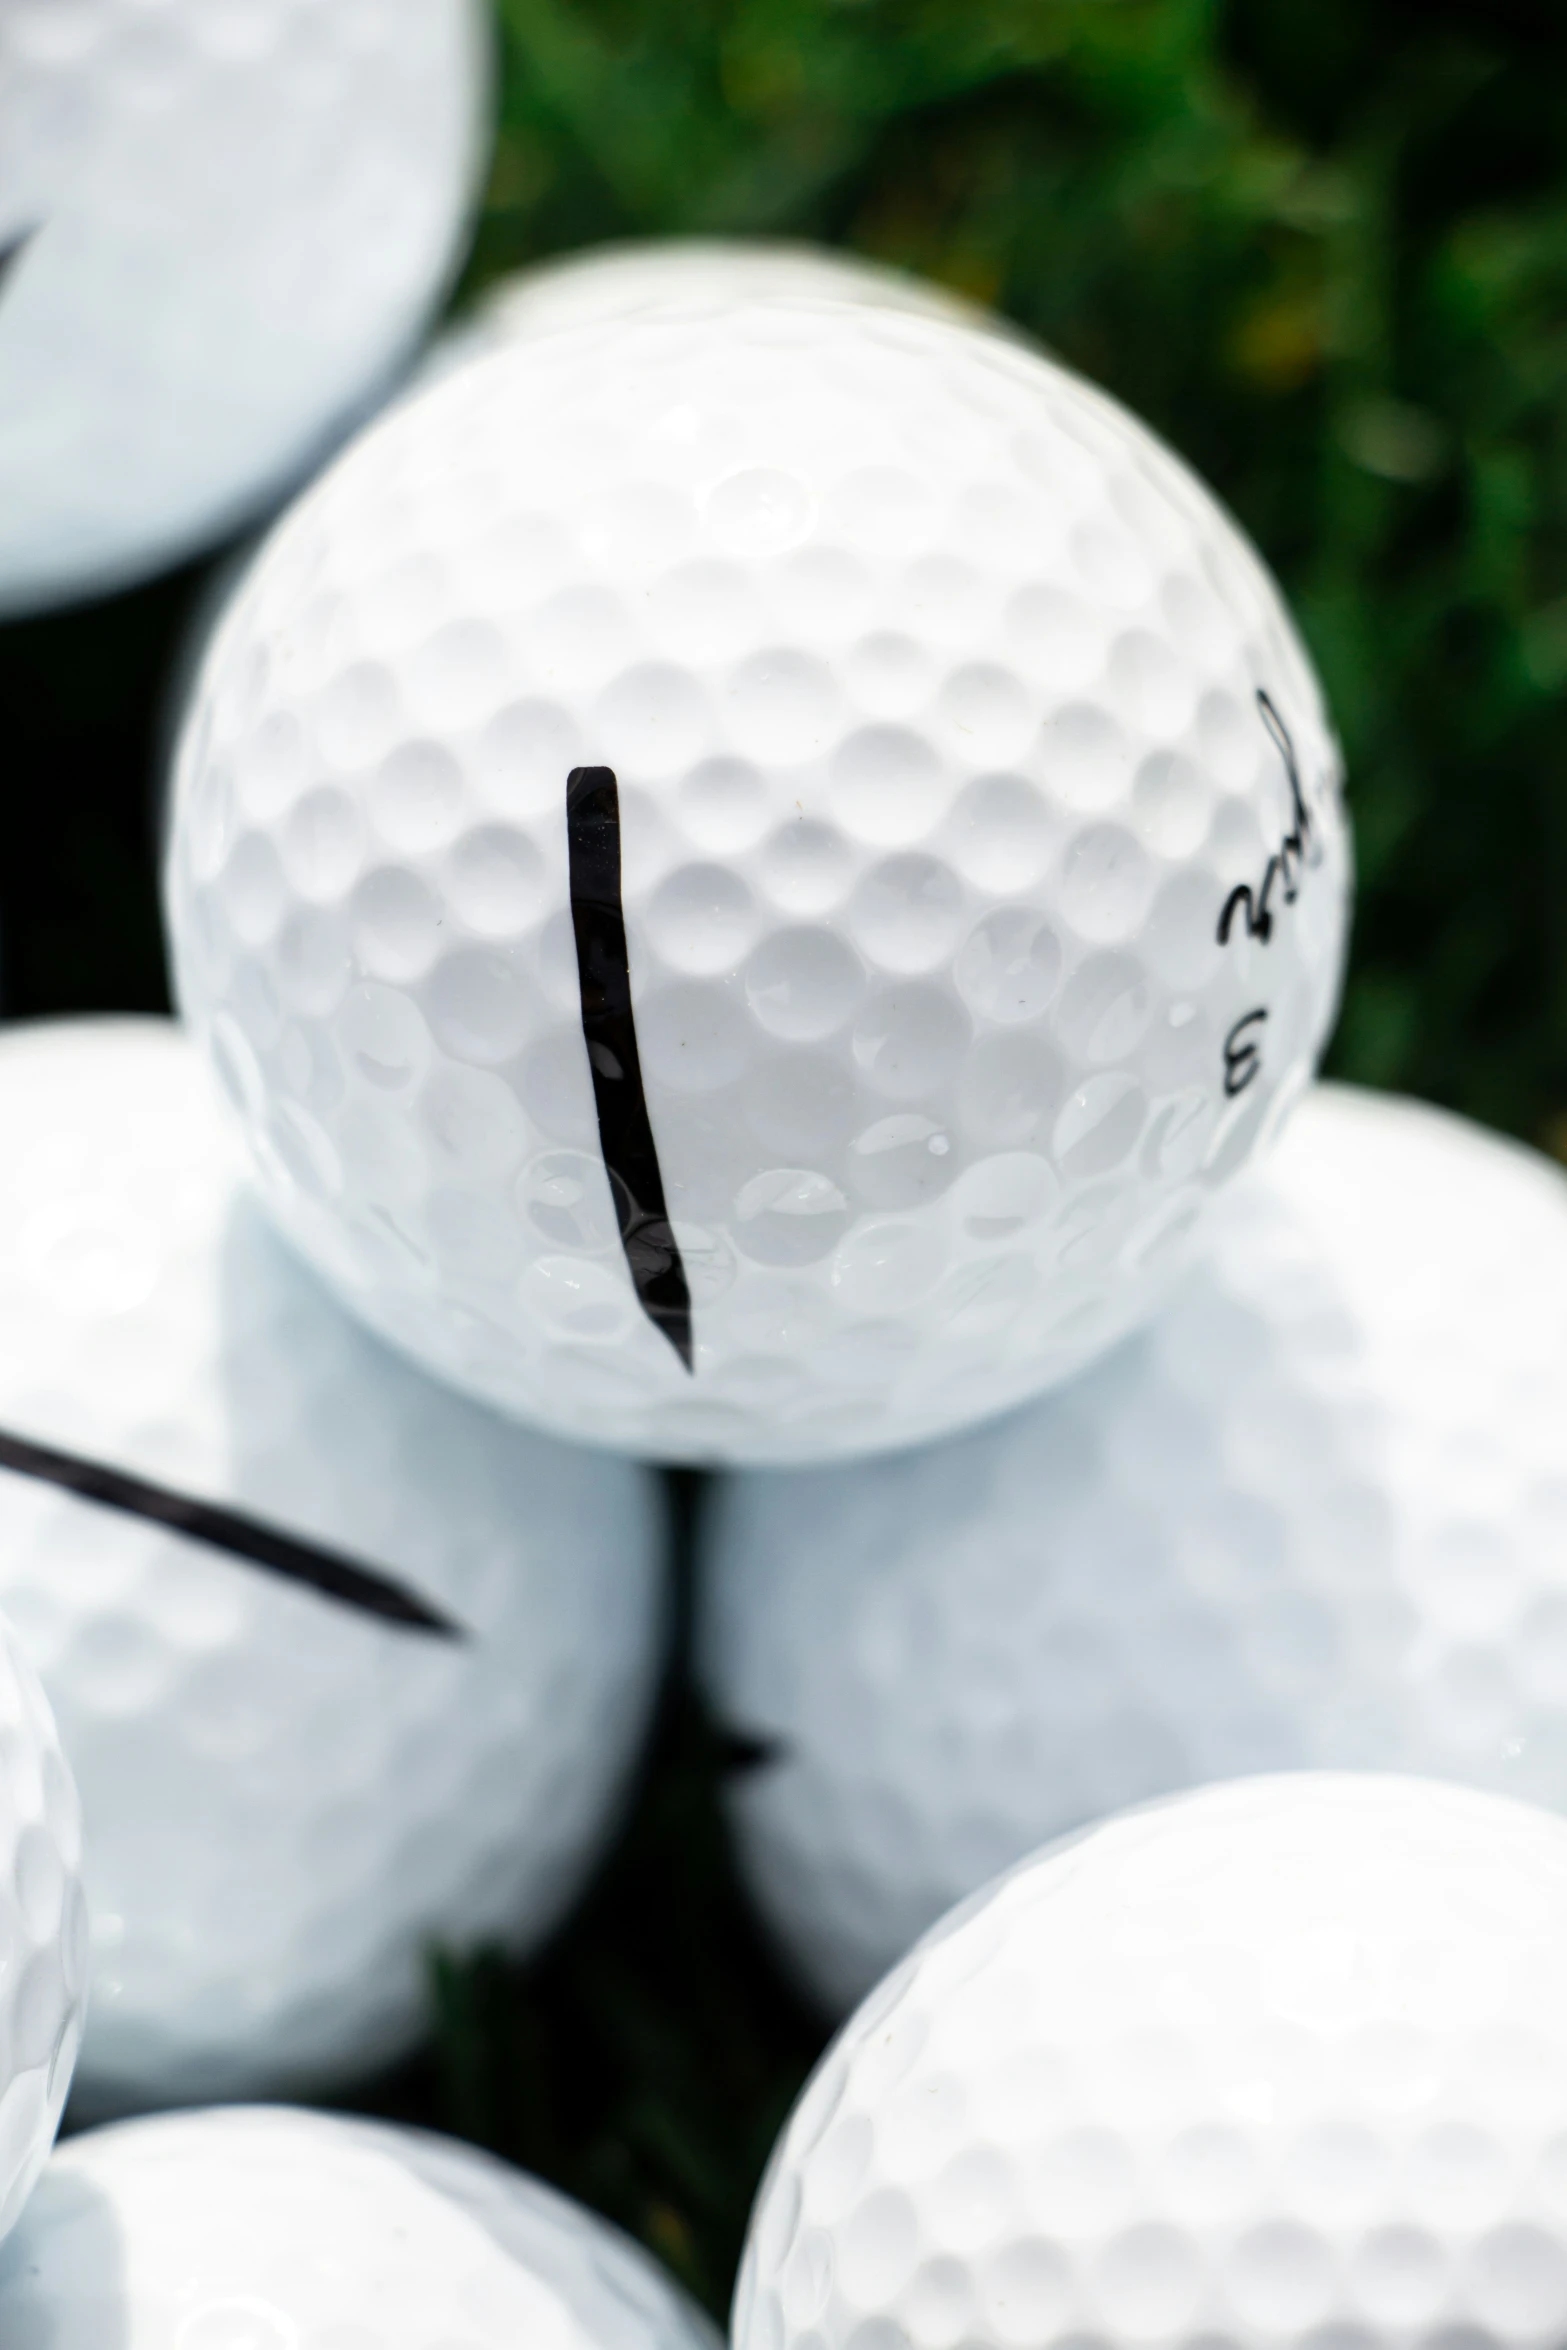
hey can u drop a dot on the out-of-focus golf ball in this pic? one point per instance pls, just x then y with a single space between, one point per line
751 869
616 281
43 1929
287 1800
221 231
1315 1515
275 2229
1279 2064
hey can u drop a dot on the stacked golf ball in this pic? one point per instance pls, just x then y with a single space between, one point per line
751 867
268 2226
346 1666
1314 1516
1282 2062
221 233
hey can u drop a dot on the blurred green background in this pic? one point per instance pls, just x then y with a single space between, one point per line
1322 246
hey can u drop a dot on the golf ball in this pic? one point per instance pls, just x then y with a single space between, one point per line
43 1929
221 232
615 281
1276 2065
290 1794
750 871
1316 1515
263 2228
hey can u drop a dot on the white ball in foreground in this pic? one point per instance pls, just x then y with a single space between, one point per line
43 1929
263 2228
751 870
221 231
1276 2065
293 1786
1315 1515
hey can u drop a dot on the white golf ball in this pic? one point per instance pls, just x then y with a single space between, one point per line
288 1800
43 1929
221 231
751 870
274 2229
1316 1515
1276 2065
616 281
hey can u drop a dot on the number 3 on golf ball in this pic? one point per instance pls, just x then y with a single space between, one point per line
751 869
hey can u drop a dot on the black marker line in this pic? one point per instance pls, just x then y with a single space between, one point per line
741 1752
11 251
658 1273
326 1571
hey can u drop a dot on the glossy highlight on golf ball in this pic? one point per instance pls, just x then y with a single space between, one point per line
1278 2064
347 1667
222 229
965 899
262 2226
43 1929
1314 1516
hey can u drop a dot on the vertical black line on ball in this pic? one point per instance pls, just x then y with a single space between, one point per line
241 1536
609 1030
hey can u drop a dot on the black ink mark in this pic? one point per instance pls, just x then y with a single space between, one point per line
625 1131
1296 849
11 250
326 1571
1242 1054
742 1753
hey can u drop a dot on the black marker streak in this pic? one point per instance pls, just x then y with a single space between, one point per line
625 1131
326 1571
11 251
741 1752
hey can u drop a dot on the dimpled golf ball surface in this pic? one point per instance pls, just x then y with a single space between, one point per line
930 684
1279 2063
221 229
270 2229
287 1800
43 1928
1315 1515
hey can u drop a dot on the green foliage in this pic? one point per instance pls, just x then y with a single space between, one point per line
1321 245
